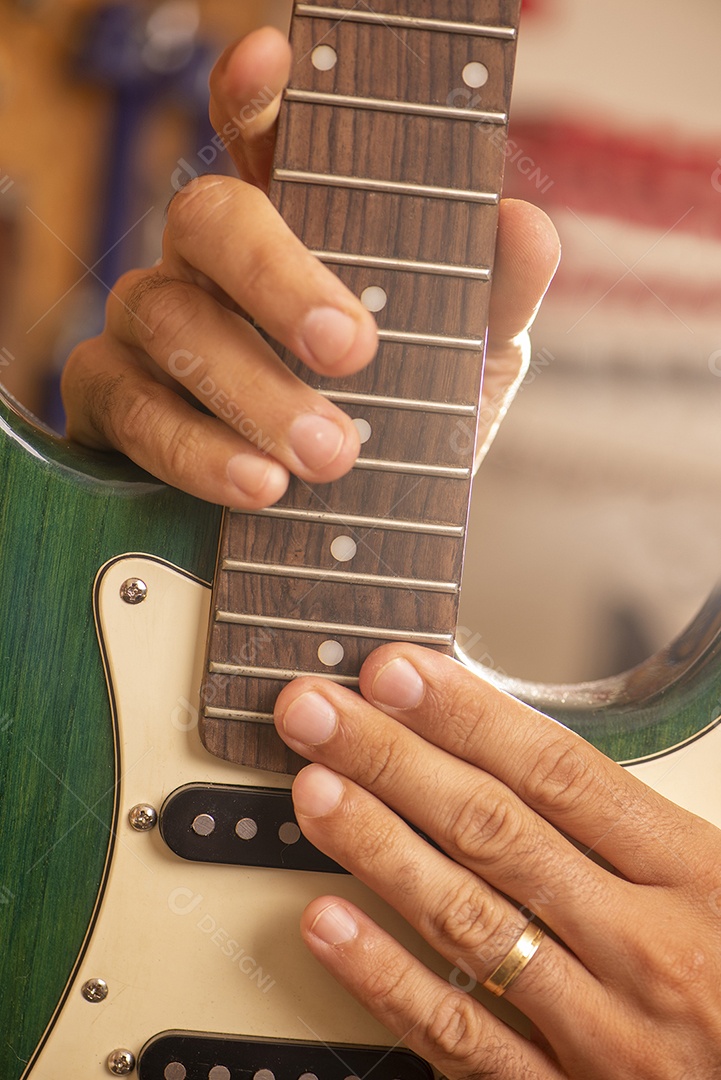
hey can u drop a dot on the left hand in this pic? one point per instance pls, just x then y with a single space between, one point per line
629 985
176 335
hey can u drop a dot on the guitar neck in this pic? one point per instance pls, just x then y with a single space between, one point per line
388 166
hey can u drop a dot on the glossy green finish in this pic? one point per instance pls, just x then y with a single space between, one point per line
638 730
62 515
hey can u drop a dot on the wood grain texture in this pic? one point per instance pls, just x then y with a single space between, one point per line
62 515
425 68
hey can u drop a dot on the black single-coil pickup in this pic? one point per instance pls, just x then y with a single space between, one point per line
243 826
181 1055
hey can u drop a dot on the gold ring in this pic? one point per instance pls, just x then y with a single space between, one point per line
514 963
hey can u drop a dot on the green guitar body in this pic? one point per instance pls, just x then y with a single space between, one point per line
63 514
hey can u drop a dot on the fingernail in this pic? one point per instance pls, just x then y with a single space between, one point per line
316 440
334 925
398 685
310 719
328 334
250 473
316 791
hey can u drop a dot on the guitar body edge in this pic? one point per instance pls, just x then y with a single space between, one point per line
64 513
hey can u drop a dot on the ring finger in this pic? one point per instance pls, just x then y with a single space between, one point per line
460 916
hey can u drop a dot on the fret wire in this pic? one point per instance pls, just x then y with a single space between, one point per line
342 576
438 340
281 674
413 468
407 108
343 629
389 187
358 521
245 715
413 266
409 22
348 397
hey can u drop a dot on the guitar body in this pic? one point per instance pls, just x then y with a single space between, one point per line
95 722
62 516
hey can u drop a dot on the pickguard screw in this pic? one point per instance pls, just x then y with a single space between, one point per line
143 817
95 990
121 1062
133 591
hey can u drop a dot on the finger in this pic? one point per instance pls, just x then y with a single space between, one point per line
458 914
227 231
223 362
440 1023
527 255
246 87
112 401
553 770
475 818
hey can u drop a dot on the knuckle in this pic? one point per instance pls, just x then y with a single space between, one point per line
192 208
373 835
560 777
159 308
382 987
380 764
467 918
486 821
90 395
264 268
137 419
454 1030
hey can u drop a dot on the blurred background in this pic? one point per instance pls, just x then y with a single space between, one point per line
596 529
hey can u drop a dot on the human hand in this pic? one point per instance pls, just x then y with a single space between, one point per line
179 327
629 989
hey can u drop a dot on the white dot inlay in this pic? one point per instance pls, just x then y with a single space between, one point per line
330 653
343 548
324 57
307 1076
374 298
219 1072
363 428
246 828
289 833
264 1074
475 74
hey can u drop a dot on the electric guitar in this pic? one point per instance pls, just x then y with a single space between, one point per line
152 874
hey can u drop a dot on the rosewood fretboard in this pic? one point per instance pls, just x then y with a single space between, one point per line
388 166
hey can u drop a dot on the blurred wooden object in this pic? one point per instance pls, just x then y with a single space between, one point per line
54 133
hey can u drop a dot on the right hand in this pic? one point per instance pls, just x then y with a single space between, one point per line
176 335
